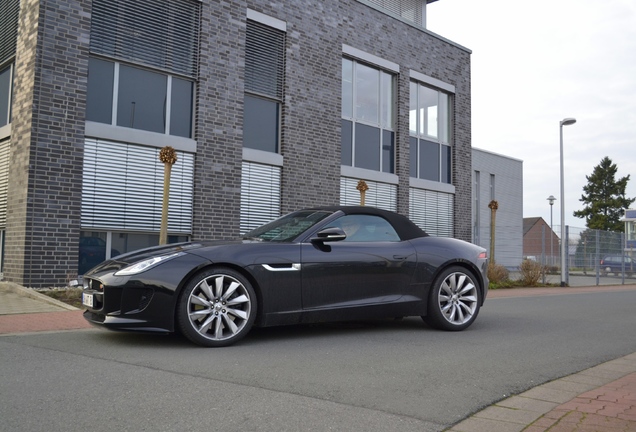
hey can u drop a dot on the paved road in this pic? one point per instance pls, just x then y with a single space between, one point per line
389 375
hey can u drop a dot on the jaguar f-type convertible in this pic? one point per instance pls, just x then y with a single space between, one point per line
314 265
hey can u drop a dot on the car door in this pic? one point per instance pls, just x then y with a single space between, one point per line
371 266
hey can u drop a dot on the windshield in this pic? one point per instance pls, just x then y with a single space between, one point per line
287 228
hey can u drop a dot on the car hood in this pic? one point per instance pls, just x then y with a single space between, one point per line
123 260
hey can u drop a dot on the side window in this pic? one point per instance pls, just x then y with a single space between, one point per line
366 228
429 133
6 76
264 73
368 124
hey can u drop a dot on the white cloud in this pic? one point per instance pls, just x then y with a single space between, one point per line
535 63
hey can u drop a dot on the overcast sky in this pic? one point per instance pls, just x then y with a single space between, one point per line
537 62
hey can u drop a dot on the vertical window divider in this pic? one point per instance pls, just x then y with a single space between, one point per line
109 244
115 93
354 111
167 108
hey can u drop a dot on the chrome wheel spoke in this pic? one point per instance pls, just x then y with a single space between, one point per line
207 290
200 301
200 313
230 290
230 324
237 313
238 300
218 331
218 285
206 325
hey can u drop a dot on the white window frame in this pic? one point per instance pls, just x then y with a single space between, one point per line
440 87
138 136
387 67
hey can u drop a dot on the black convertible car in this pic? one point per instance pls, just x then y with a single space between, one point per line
321 264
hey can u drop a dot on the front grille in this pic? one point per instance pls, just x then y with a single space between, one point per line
94 285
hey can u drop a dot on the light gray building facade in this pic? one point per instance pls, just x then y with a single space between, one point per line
498 178
271 107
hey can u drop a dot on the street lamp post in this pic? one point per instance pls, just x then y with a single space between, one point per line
565 122
551 199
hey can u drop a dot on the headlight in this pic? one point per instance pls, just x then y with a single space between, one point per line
146 264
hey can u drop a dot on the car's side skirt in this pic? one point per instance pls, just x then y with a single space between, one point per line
403 308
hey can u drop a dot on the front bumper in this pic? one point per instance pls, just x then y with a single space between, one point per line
141 302
129 308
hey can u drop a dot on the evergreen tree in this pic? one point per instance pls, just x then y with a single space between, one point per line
604 198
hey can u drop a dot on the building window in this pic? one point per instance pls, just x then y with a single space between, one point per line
260 195
432 211
128 180
264 73
5 149
410 10
6 79
127 96
380 195
429 130
368 135
162 34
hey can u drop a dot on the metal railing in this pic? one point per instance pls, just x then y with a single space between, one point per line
594 257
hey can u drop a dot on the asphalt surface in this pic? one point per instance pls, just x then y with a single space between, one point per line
601 397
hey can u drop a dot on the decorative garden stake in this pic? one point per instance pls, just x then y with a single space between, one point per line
363 188
493 206
168 157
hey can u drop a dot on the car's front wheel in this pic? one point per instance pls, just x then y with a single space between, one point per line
454 301
217 308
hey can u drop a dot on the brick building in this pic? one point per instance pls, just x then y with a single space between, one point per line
271 106
540 242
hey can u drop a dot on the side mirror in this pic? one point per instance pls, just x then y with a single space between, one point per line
329 235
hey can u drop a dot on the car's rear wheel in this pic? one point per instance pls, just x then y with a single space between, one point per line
217 308
455 300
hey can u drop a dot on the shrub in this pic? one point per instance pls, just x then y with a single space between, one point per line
531 272
497 274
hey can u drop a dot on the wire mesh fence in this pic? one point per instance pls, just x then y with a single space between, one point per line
592 257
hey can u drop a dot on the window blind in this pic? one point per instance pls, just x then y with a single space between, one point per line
123 188
410 10
264 60
260 195
161 33
432 211
380 195
9 12
5 147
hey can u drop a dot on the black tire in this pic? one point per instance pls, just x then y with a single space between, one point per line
454 300
217 308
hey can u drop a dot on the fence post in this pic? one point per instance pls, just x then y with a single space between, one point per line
543 265
567 255
622 258
598 257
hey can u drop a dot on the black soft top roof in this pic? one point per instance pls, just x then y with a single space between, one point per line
403 226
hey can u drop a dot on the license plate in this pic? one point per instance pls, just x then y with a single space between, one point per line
87 300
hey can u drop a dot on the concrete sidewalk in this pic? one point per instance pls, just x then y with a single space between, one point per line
24 310
599 399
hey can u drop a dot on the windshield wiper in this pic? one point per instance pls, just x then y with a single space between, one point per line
253 238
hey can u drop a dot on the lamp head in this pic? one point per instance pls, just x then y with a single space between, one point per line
568 121
552 199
